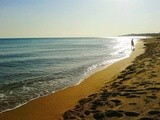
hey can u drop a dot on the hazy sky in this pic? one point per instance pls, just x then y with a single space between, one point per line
53 18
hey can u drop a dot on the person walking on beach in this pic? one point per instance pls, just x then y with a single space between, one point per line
132 45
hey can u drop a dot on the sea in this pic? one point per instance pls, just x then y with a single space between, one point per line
35 67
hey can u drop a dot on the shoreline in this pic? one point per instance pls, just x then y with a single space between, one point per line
80 81
131 95
69 96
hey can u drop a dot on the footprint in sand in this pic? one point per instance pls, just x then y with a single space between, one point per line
132 114
154 112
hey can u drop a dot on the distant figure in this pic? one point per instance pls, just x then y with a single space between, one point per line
132 45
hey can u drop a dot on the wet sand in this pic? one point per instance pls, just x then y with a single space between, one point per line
134 94
52 107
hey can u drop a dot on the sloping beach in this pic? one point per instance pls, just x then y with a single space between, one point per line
53 106
134 94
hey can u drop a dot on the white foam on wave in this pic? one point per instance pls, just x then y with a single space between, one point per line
2 95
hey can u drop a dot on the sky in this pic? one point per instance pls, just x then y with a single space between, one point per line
78 18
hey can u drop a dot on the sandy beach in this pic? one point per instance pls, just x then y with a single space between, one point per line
134 94
80 60
108 81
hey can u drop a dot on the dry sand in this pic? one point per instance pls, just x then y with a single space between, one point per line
53 106
134 94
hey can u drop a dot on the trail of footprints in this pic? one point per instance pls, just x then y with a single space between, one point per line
123 97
